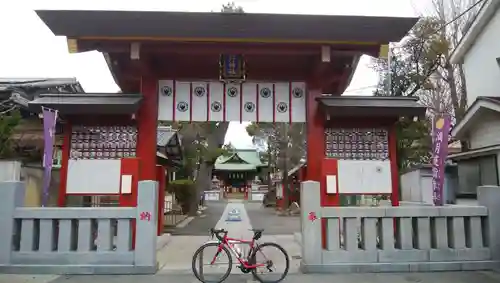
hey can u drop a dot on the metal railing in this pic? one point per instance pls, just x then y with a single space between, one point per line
172 214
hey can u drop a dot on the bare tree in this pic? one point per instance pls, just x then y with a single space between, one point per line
454 18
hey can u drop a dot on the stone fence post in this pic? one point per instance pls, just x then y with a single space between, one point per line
146 222
489 196
11 196
310 208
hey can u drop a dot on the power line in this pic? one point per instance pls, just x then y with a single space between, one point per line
456 18
440 29
447 23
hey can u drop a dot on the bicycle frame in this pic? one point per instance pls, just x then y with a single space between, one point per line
230 244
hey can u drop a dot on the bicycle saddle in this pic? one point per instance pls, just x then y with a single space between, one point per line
256 230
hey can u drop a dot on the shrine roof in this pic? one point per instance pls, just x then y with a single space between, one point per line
297 168
88 103
366 106
212 26
249 156
164 137
235 167
168 143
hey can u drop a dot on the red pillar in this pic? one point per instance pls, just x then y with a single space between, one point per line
316 150
63 173
147 119
315 136
160 176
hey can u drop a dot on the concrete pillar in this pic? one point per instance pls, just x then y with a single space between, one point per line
311 222
146 224
11 196
489 196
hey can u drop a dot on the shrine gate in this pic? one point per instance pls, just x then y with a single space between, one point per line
221 67
271 72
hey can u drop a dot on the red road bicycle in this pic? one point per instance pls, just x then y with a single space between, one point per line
248 262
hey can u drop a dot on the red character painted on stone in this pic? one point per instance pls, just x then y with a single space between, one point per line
146 216
312 216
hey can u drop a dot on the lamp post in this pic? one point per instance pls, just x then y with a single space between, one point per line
284 146
199 159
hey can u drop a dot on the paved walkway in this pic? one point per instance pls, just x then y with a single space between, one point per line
176 257
266 218
200 225
441 277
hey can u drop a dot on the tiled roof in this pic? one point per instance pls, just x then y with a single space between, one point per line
250 157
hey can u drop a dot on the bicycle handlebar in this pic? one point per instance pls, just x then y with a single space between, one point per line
217 232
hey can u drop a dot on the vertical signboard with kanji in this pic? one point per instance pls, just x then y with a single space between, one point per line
441 128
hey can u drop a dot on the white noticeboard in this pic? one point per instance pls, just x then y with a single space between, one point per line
93 177
126 187
364 177
331 184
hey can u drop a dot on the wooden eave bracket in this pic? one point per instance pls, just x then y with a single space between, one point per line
326 54
383 51
72 45
135 50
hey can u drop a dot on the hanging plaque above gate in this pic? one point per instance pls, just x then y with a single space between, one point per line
232 68
243 102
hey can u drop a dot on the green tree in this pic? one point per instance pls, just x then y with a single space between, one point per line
9 119
421 67
202 144
410 73
285 148
231 7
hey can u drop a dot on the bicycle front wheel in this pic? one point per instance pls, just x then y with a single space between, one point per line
210 256
269 257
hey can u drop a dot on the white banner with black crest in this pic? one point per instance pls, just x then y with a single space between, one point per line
199 101
233 100
246 102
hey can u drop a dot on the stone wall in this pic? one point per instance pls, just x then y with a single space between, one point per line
399 239
72 240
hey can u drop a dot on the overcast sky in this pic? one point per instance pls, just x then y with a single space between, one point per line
29 49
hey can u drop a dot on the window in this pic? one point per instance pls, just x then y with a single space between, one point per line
480 171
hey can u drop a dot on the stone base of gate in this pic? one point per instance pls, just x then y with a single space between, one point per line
399 267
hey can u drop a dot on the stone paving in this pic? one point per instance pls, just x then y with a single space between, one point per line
27 278
200 225
266 218
441 277
176 257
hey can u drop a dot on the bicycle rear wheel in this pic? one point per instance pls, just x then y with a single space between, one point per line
208 251
264 254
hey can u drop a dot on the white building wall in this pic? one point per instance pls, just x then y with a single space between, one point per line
487 132
481 68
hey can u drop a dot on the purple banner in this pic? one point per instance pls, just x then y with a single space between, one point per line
49 128
441 129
